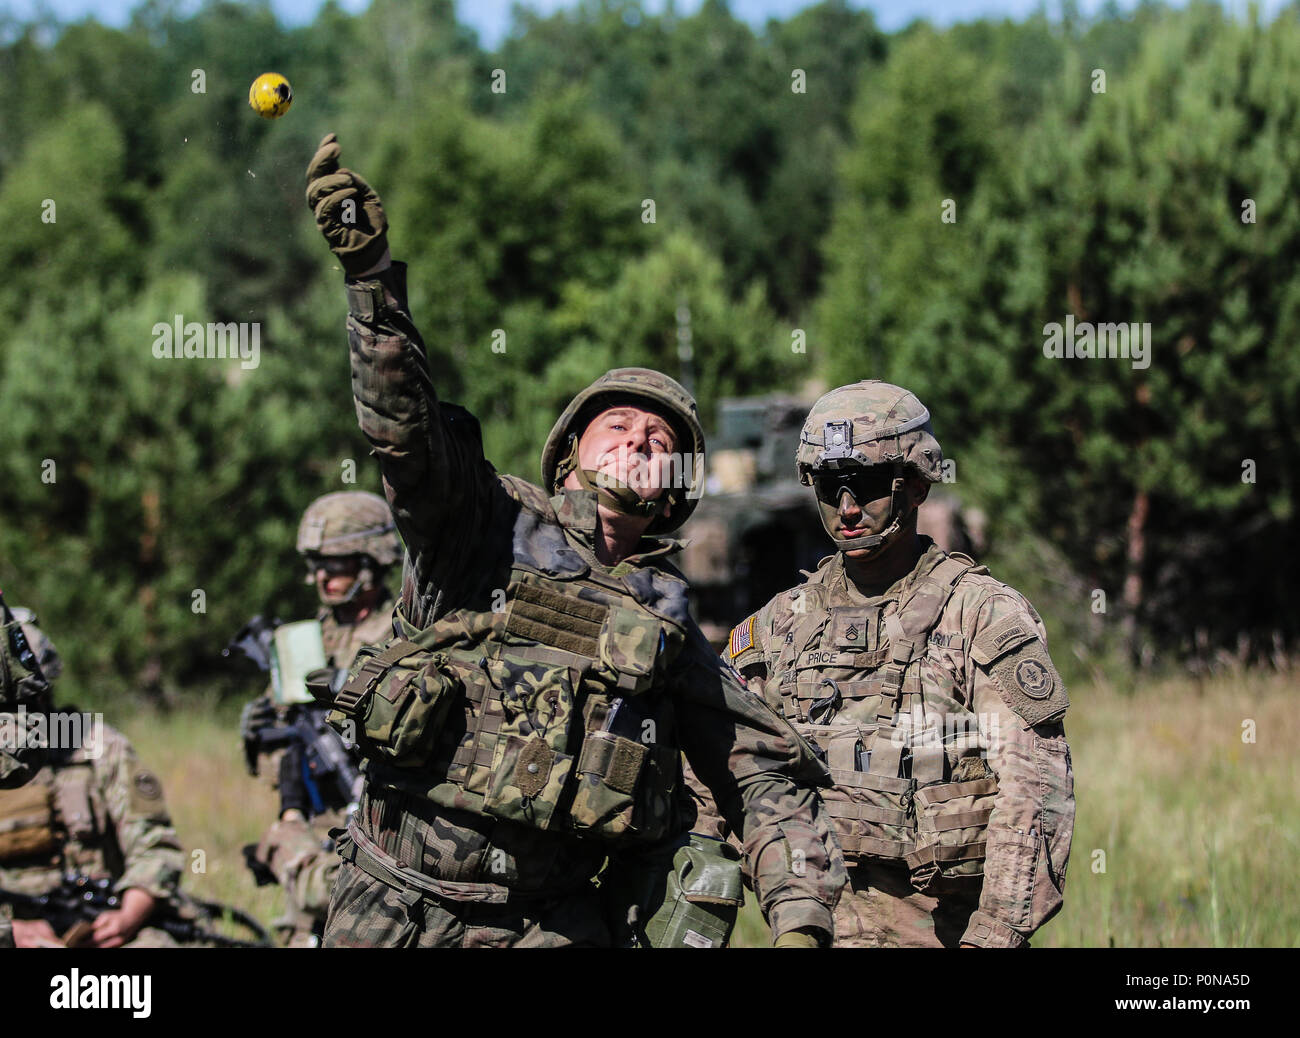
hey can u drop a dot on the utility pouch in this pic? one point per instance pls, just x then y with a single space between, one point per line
27 822
702 896
533 758
872 810
395 702
951 820
624 787
630 643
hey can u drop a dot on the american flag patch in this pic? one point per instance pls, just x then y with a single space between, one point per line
742 637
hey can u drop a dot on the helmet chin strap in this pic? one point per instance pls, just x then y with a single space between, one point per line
896 517
611 492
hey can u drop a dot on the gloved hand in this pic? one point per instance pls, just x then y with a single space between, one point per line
257 714
357 233
804 938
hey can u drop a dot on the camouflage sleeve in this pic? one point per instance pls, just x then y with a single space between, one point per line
435 476
303 862
744 651
764 781
6 928
133 795
1021 702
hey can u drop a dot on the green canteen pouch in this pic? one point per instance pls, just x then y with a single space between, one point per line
951 820
703 895
871 809
397 699
532 759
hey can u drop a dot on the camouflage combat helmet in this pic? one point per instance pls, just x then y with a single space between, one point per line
47 656
350 523
653 391
866 424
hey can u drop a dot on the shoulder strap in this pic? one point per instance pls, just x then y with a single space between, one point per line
909 627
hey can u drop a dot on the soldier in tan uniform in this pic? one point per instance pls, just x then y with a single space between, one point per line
349 541
94 810
928 687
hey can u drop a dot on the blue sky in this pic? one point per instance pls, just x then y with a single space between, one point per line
492 17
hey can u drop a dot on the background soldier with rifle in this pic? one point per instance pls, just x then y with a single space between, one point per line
92 811
348 540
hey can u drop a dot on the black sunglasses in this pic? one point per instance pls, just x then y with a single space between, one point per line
865 484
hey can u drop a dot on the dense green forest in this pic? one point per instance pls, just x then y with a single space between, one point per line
918 206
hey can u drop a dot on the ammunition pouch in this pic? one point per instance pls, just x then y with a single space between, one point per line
27 826
870 805
395 701
951 819
935 829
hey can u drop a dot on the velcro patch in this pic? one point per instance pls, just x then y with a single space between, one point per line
852 629
146 795
1030 685
742 637
1001 638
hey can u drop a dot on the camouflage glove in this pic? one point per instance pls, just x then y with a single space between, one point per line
347 210
257 714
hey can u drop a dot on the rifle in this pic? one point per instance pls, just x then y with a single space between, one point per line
319 771
79 899
317 761
254 641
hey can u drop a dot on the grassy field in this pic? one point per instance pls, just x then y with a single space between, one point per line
1185 836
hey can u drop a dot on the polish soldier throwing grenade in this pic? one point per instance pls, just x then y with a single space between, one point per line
527 722
348 541
927 686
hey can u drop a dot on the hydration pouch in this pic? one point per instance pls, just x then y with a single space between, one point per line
27 822
702 897
395 702
951 819
872 810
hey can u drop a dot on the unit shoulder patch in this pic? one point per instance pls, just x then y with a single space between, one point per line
146 794
1029 683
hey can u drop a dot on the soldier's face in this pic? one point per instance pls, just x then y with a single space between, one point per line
631 445
334 576
857 504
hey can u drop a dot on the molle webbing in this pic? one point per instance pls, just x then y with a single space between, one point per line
564 622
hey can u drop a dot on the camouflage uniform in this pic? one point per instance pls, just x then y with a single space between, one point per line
553 695
22 691
108 819
102 815
947 674
18 687
301 852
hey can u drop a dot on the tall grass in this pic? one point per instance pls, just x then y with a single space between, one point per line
1185 835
